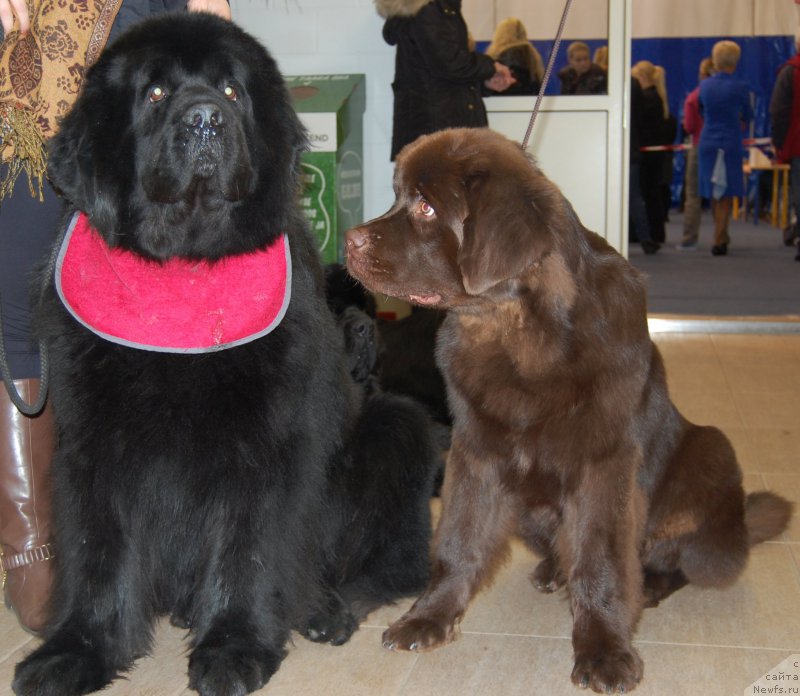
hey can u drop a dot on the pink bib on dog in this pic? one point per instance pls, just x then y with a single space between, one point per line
177 306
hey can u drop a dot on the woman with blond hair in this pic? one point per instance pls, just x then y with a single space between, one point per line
600 57
725 107
655 114
510 46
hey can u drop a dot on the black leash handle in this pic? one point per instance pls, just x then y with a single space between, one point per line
23 406
550 61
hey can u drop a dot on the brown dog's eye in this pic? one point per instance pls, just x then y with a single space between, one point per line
230 93
156 94
425 208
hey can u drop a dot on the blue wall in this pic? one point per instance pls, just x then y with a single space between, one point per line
762 56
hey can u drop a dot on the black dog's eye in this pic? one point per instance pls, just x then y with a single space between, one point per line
425 208
230 93
156 94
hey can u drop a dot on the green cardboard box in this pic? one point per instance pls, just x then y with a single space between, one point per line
332 108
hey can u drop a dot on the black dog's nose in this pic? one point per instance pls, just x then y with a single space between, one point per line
362 328
203 116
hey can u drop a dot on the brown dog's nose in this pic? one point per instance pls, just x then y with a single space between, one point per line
355 238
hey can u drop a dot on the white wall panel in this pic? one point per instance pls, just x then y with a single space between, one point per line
587 18
480 18
571 150
774 17
340 23
283 29
676 18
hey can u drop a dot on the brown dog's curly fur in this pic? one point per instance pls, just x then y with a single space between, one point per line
564 432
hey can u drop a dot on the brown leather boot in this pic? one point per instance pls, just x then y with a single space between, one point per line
26 450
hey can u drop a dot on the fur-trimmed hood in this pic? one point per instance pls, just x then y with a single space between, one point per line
399 8
510 43
509 32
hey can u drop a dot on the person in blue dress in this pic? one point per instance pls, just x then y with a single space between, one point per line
726 110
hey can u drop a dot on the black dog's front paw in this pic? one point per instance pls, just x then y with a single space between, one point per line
49 672
229 670
335 628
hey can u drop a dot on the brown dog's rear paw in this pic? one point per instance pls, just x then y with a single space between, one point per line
417 634
609 673
547 577
659 586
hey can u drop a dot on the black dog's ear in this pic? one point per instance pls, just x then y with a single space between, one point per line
69 161
507 228
82 147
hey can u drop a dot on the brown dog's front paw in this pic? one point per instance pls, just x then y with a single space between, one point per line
417 634
608 673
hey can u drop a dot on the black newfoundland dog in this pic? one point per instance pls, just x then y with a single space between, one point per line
216 462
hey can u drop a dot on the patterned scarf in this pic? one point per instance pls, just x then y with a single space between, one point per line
40 77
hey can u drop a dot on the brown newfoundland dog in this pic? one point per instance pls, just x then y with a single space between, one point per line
564 432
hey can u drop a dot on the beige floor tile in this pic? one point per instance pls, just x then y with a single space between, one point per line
688 381
776 450
510 605
689 670
515 640
513 606
788 485
362 667
693 347
795 549
758 377
692 364
12 639
492 665
754 349
489 665
747 454
708 407
759 610
764 409
16 644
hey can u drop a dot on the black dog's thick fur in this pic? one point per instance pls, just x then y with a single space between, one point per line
245 492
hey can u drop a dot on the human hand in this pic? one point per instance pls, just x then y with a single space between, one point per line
9 9
217 7
501 80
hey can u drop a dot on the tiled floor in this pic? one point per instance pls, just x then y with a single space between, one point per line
516 641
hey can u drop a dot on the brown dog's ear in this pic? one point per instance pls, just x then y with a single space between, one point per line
506 229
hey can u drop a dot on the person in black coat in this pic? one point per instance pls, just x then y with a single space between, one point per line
438 77
655 132
637 211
